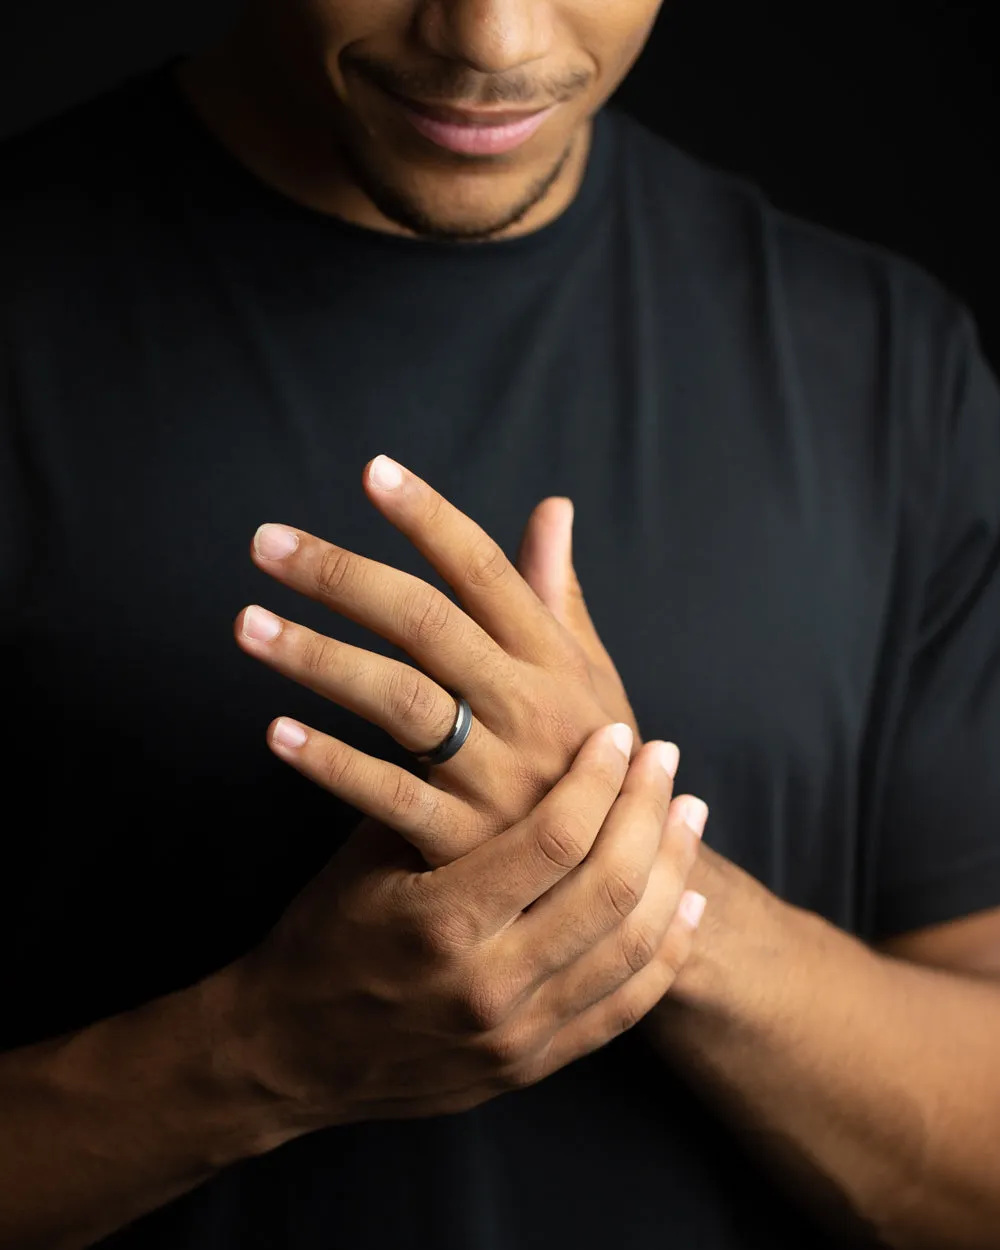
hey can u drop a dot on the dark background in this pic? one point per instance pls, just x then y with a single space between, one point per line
878 118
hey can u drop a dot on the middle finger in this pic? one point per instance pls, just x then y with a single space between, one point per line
402 609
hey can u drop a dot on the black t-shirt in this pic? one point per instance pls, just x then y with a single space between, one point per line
784 450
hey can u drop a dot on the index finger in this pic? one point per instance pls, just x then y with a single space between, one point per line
476 567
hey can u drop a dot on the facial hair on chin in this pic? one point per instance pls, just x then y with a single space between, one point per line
404 211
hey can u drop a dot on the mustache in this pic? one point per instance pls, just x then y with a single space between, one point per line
459 86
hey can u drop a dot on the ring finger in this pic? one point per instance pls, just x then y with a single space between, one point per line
411 707
609 885
636 943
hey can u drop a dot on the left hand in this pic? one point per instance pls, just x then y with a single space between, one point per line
527 658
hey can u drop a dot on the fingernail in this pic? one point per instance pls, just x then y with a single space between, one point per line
386 473
260 625
692 907
621 736
695 816
288 734
668 756
274 542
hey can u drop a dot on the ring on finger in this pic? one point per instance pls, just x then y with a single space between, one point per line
456 738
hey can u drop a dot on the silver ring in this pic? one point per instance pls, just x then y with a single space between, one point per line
455 740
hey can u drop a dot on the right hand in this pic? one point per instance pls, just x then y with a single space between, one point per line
387 991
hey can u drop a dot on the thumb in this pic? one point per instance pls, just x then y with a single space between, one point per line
545 561
546 553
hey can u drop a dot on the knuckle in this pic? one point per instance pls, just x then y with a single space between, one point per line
559 722
438 936
334 567
485 1004
414 907
627 1014
432 507
506 1051
440 926
520 1073
427 809
406 797
487 564
621 890
337 767
367 904
576 662
411 698
639 945
428 618
563 841
316 654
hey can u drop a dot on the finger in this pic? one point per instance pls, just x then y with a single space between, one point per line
417 712
545 560
404 610
493 883
609 885
485 582
633 1001
623 953
588 1032
419 812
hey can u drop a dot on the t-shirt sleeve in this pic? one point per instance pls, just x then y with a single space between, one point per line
939 836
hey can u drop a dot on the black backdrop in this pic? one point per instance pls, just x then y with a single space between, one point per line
877 117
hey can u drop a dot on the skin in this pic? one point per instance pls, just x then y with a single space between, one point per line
298 92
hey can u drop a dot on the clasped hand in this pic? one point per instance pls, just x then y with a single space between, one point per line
554 913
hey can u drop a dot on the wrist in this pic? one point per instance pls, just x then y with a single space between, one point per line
260 1115
743 945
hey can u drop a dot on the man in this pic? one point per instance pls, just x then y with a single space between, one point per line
234 1016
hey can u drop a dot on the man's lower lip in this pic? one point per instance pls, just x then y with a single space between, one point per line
477 140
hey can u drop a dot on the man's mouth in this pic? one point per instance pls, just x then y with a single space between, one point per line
473 132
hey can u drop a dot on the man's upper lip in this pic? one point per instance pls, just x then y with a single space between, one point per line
469 117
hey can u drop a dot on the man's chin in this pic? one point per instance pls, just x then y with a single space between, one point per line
439 212
432 221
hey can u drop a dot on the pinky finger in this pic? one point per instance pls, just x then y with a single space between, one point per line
381 790
623 1009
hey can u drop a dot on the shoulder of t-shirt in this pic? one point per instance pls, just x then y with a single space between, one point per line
72 186
59 178
730 224
68 149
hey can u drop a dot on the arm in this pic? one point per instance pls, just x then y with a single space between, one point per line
873 1084
100 1126
872 1075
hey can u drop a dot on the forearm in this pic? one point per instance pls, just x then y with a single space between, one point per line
873 1083
103 1125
